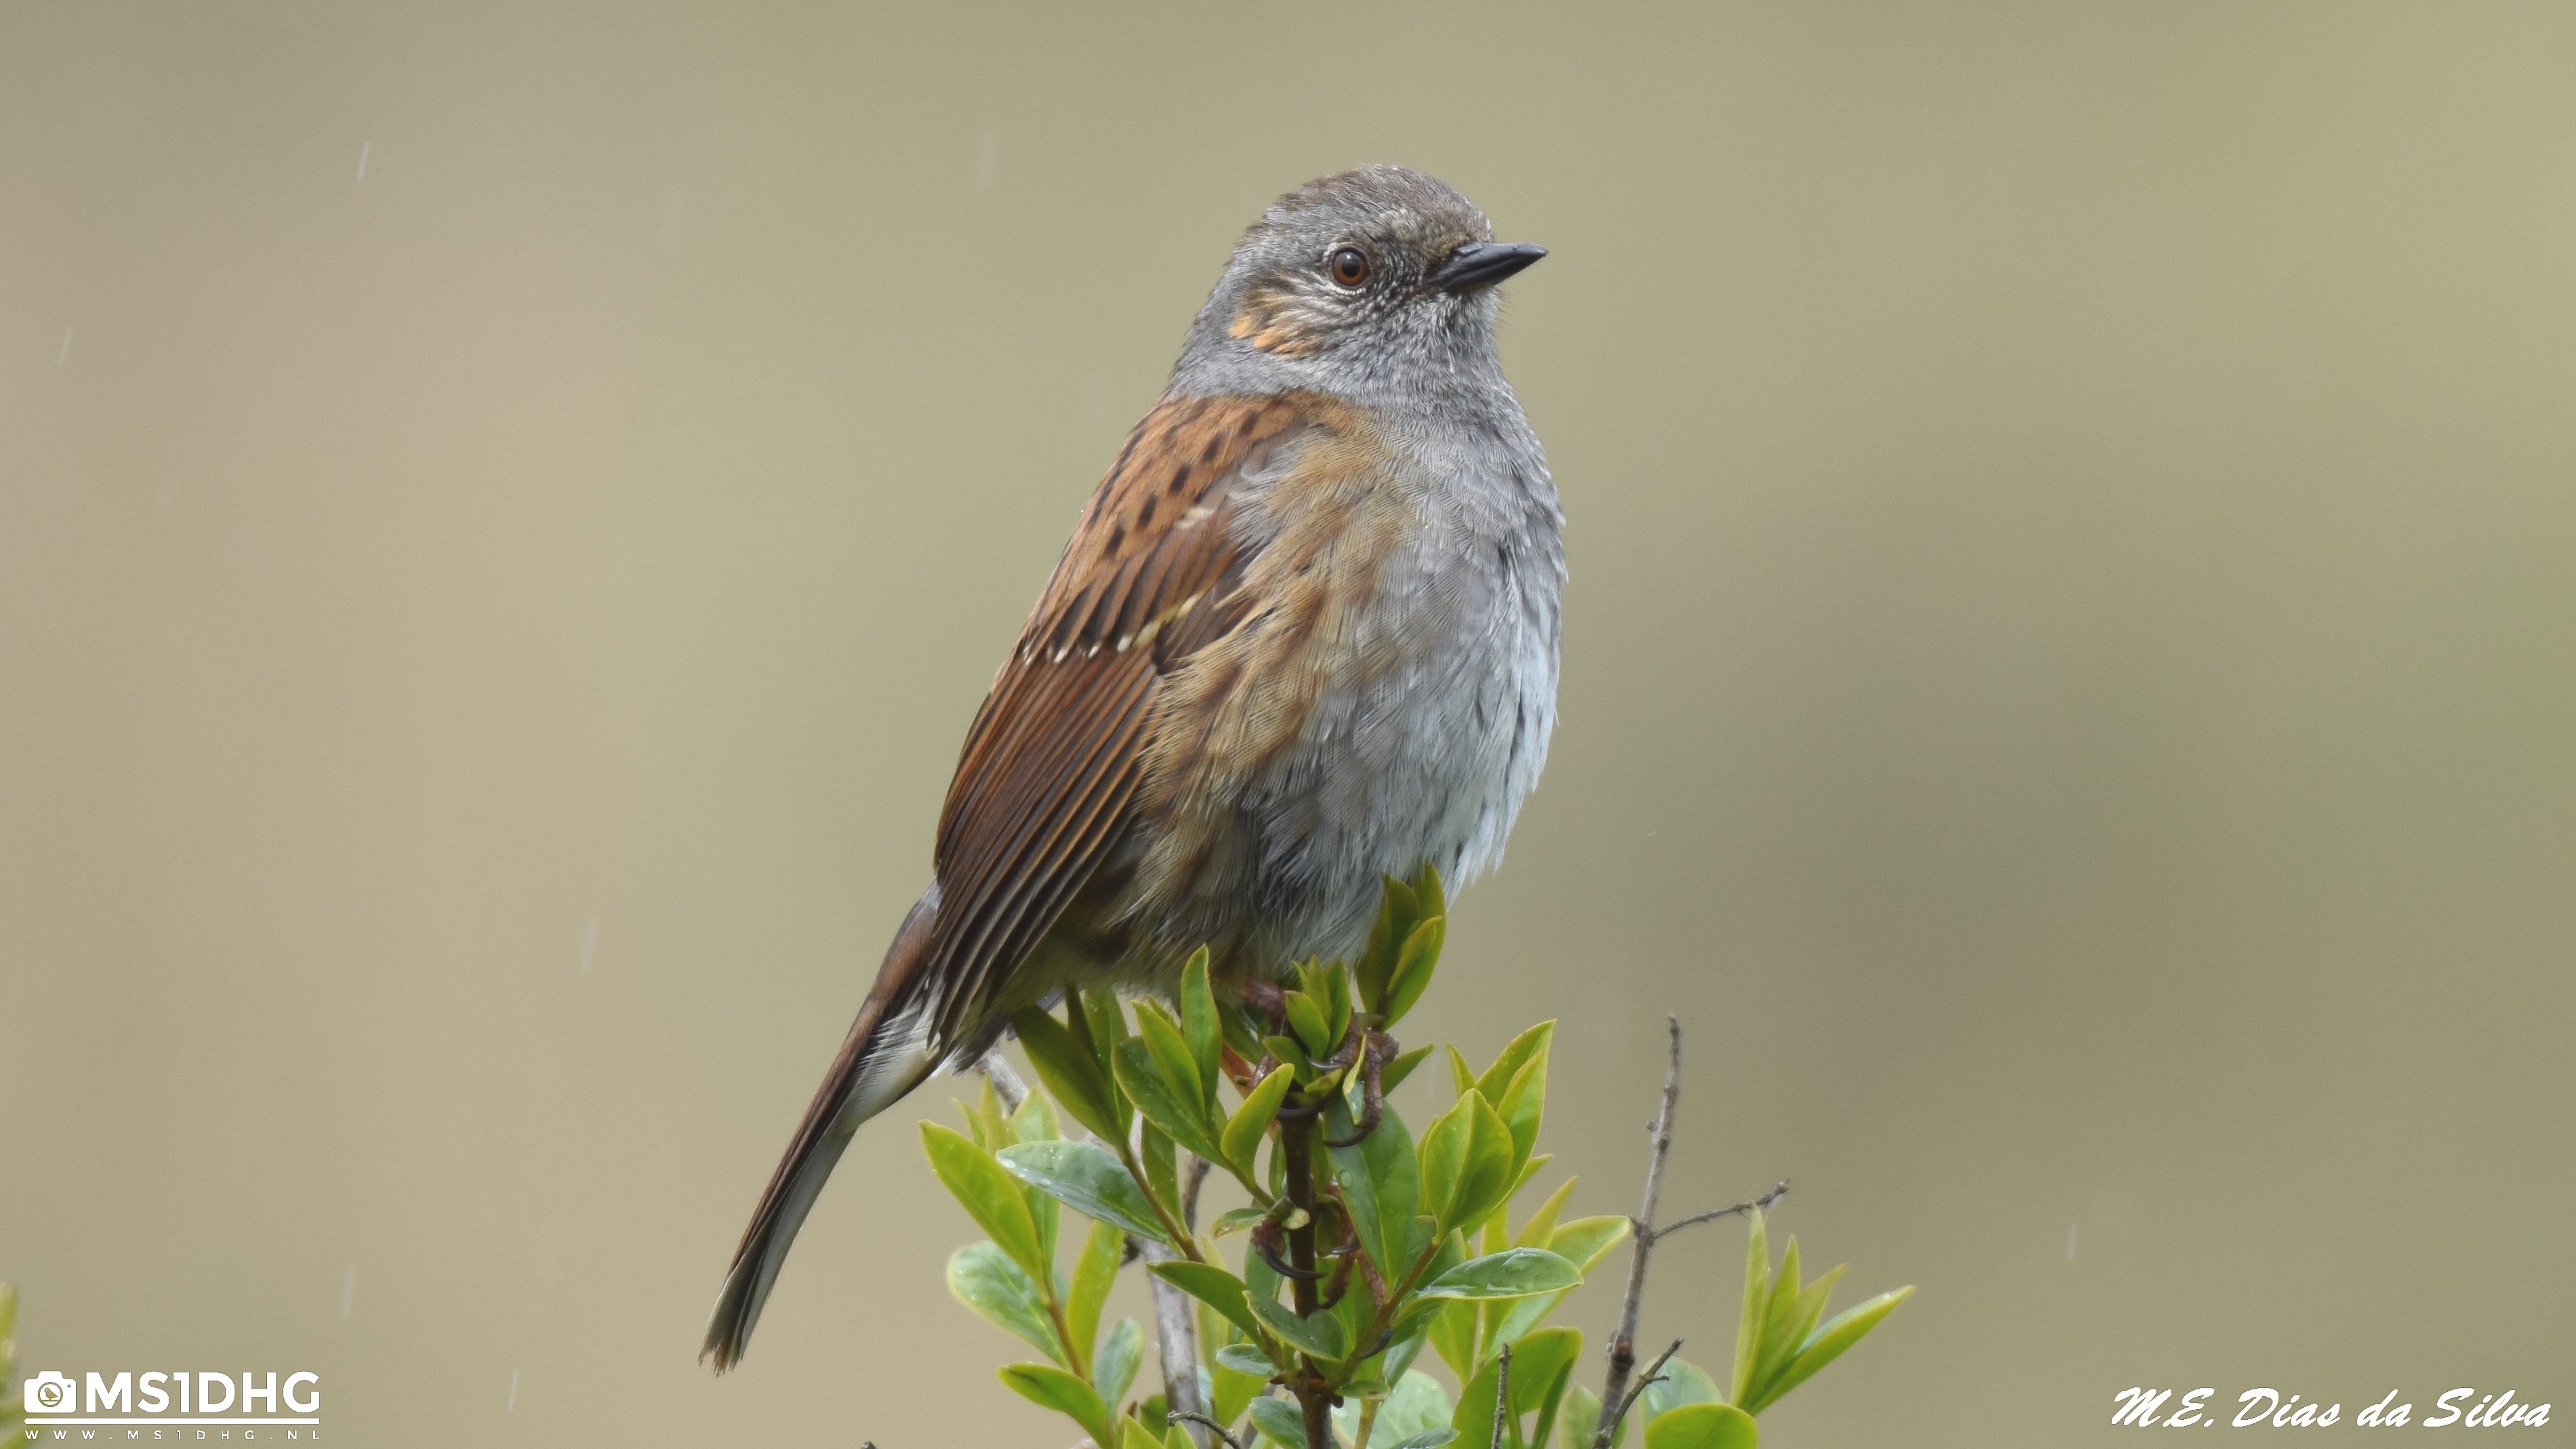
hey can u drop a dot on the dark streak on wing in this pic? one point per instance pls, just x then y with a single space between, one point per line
1055 753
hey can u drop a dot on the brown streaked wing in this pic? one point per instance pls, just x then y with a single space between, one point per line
1055 753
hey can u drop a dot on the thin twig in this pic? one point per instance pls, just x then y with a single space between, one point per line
1176 1318
1213 1426
1623 1342
1006 1083
1502 1394
1654 1375
1778 1191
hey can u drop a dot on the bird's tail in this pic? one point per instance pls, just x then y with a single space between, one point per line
886 1055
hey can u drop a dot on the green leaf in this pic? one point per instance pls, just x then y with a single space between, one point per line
1162 1165
1035 1122
1052 1387
1443 1158
984 1278
1701 1426
1578 1418
1397 909
1496 1081
1280 1422
1085 1177
1584 1243
1115 1370
1827 1344
1071 1073
1539 1228
1511 1273
1132 1435
1306 1019
1486 1177
1175 1059
1757 1303
1542 1365
1678 1384
1793 1317
1429 1439
1251 1121
1452 1333
990 1197
1381 1183
1417 1405
1235 1220
1213 1286
1413 968
1320 1336
1286 1050
1173 1108
1524 1098
1243 1358
1095 1272
1392 1075
1200 1027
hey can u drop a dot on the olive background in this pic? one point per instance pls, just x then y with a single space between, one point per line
2068 682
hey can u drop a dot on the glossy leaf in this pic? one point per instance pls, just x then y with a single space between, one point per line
1702 1426
1413 969
1213 1286
1235 1220
1488 1175
1243 1358
1578 1418
1175 1110
1278 1419
1381 1183
1443 1158
989 1195
1162 1164
1392 1075
1306 1020
1132 1435
1072 1075
1174 1058
1085 1177
1757 1303
1396 913
1827 1344
1681 1382
1095 1272
1320 1336
1052 1387
1428 1439
1793 1318
1584 1243
1115 1370
1511 1273
984 1278
1200 1026
1251 1121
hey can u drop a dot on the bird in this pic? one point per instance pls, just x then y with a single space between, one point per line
1304 637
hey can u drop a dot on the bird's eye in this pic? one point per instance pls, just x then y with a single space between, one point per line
1350 266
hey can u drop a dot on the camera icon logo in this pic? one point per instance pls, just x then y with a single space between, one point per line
53 1393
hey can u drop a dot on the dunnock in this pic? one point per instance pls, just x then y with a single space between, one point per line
1305 635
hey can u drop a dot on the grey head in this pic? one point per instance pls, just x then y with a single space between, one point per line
1374 285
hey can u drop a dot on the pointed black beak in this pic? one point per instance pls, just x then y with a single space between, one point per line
1481 264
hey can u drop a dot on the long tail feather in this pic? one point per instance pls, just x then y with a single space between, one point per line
884 1058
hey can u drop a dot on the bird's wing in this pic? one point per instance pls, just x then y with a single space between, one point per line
1057 749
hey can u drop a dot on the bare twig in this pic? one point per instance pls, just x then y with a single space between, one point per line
1176 1319
1778 1191
1212 1426
1654 1375
1502 1394
1006 1083
1623 1342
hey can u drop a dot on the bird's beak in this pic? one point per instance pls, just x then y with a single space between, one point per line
1481 264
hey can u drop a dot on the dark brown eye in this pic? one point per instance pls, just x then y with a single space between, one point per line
1350 266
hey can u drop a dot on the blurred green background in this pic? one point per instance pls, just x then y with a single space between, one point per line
2068 681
